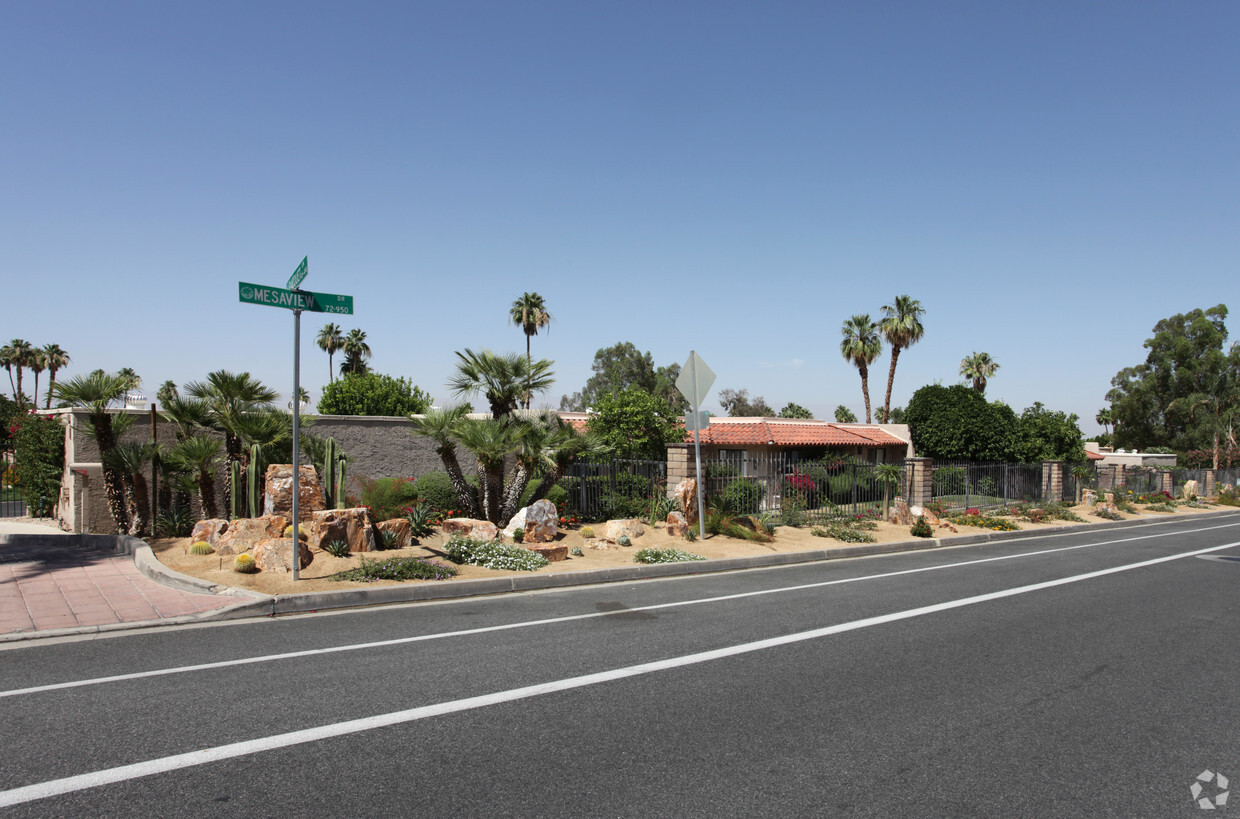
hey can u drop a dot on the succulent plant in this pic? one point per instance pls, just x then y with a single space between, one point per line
518 535
302 534
337 548
244 563
576 551
587 532
201 548
624 540
390 538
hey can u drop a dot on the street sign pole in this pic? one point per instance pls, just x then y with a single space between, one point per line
296 444
697 444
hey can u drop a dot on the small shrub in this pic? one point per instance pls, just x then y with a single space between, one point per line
691 534
244 563
1106 514
921 528
576 551
337 548
743 495
1228 498
842 532
177 522
436 490
664 556
389 497
518 535
420 517
587 532
201 548
624 540
1161 507
389 538
397 568
490 554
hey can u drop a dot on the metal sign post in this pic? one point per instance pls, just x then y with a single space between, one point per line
694 382
297 301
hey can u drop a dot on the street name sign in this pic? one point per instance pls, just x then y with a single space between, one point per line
695 378
299 275
697 420
295 299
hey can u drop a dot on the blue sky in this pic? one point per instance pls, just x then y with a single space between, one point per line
1048 179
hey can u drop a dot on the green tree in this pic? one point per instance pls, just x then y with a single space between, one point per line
8 359
957 422
978 368
37 363
198 455
738 404
56 359
529 312
861 346
1105 417
94 392
843 415
617 368
635 424
440 426
1214 409
18 354
131 459
901 326
373 394
502 379
331 341
1151 403
792 410
356 353
1044 435
132 379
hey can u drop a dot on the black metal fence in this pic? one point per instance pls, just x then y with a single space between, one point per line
1077 477
620 488
1142 480
979 485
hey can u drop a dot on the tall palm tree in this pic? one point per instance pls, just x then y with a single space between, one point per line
57 359
133 380
861 346
529 313
330 341
95 392
6 359
901 326
1106 417
978 368
37 362
19 352
167 392
503 379
490 440
356 353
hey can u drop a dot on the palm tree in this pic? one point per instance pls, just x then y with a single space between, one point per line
18 354
490 440
6 358
978 368
901 326
860 346
440 426
95 392
356 353
843 415
330 341
503 379
37 363
57 359
197 455
230 397
133 380
1106 417
529 313
131 459
167 392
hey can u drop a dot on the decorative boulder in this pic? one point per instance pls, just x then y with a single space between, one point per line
244 533
921 512
677 526
629 526
470 528
604 545
1190 490
686 493
900 513
278 496
552 553
276 555
538 520
208 531
404 536
1090 498
353 526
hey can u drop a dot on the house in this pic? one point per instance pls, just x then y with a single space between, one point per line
1106 456
800 439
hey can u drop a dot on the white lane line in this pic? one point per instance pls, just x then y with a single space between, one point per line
268 658
70 784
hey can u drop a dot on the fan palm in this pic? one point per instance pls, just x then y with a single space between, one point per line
440 426
131 459
198 455
861 346
230 397
978 368
529 313
502 379
901 326
490 440
356 353
18 355
56 359
37 362
330 341
94 392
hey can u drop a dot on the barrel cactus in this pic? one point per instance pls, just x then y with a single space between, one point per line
302 534
201 548
245 564
624 540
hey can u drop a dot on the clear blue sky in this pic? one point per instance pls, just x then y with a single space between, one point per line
1048 179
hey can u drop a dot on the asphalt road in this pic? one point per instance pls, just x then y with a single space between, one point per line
1090 674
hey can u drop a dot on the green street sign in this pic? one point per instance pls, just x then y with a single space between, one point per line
299 275
295 299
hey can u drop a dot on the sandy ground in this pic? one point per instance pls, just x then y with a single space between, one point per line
218 569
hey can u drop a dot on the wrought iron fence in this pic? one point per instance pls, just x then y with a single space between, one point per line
11 503
1181 476
1229 476
1142 480
619 488
1077 478
978 485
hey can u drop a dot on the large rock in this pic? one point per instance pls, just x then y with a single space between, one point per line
900 513
1090 498
470 528
276 555
552 553
538 520
677 526
208 531
244 533
278 496
403 535
1190 490
628 526
686 493
353 526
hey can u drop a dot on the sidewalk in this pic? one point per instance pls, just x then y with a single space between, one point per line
51 582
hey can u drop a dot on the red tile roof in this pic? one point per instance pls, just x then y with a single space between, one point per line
781 432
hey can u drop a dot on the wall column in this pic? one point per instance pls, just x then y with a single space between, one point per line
680 465
1052 481
1210 490
918 475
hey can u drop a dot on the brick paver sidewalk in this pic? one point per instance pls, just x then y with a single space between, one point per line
53 587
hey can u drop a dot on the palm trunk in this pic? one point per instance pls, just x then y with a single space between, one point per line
513 490
865 390
549 480
139 504
1216 449
51 387
206 494
113 482
19 388
36 389
528 363
465 494
891 379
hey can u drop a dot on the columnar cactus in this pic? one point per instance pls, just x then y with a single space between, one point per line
341 498
329 474
234 507
252 480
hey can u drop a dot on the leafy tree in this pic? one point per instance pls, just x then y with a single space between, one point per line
843 415
897 415
38 456
529 312
861 346
132 379
958 423
665 388
978 367
373 394
617 368
635 424
1044 435
198 455
901 326
1153 404
737 404
331 341
356 353
792 410
95 392
502 379
1215 408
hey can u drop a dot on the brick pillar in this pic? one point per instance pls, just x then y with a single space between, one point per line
918 473
1210 490
680 465
1052 481
1165 483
